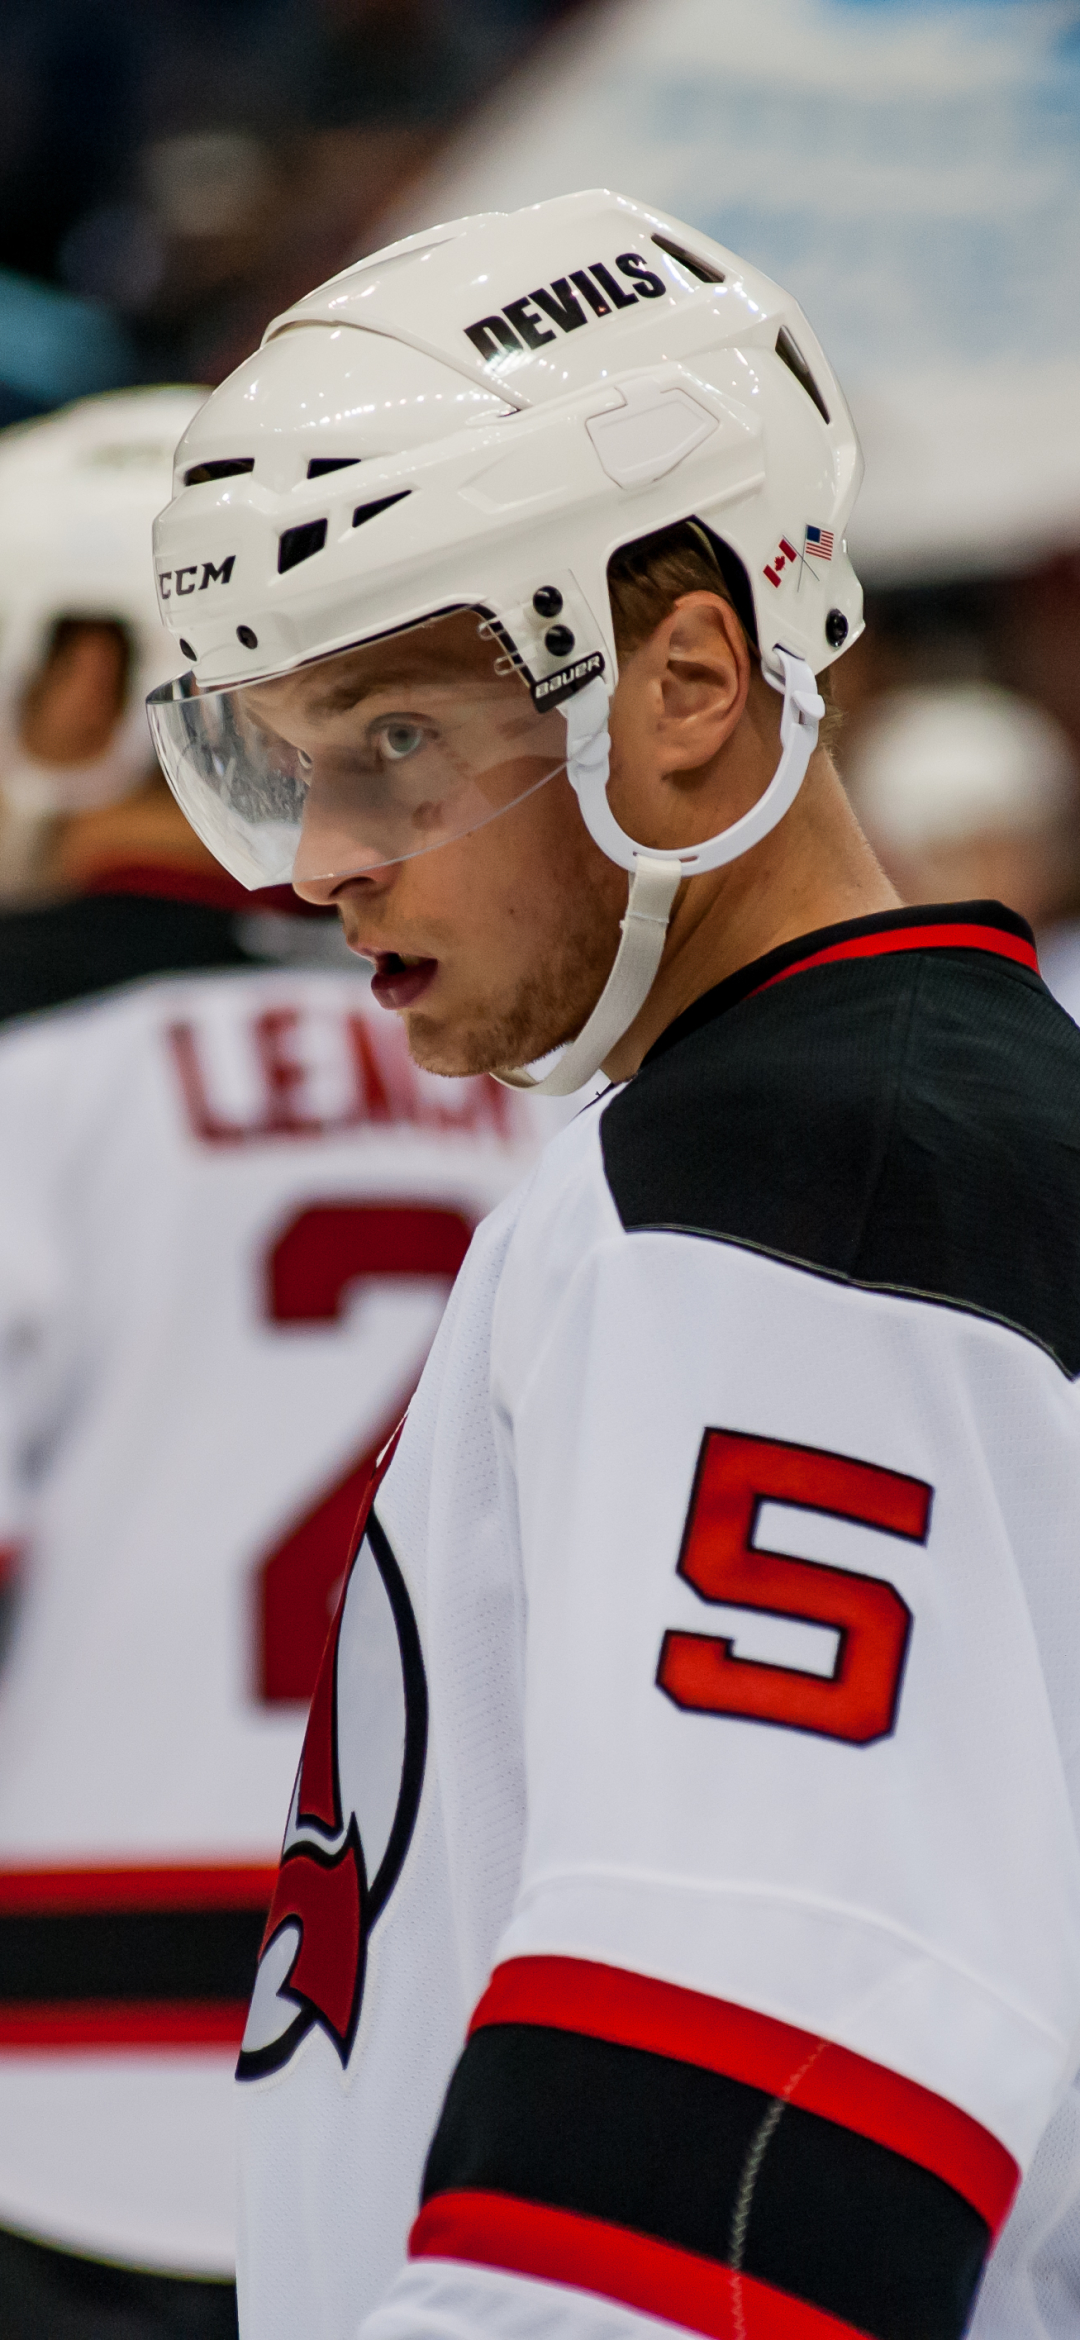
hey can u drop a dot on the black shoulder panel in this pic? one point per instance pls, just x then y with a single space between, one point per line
909 1121
69 950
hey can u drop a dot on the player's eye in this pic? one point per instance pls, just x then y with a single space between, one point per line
398 738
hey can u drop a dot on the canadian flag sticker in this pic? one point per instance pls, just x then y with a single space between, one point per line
785 555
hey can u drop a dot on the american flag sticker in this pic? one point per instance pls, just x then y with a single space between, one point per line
818 543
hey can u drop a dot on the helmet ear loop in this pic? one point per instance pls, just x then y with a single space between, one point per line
588 765
656 874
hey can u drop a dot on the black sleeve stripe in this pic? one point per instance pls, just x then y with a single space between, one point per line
709 2175
170 1954
711 2169
638 2010
128 1957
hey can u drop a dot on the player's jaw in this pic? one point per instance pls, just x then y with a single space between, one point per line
493 948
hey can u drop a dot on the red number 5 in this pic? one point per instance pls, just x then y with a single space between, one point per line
736 1474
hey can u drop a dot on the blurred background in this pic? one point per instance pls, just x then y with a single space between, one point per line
174 172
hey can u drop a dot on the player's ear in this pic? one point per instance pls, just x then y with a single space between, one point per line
688 683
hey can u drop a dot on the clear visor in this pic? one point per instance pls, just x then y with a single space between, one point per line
368 757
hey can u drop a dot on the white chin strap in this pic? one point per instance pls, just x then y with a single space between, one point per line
656 874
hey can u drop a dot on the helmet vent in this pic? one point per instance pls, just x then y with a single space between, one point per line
321 464
298 544
792 357
702 269
226 469
382 504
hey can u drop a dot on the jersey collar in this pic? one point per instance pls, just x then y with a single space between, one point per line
937 926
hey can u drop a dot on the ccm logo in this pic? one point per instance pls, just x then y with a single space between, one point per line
179 578
520 325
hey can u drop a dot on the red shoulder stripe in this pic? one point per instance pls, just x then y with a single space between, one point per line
635 2010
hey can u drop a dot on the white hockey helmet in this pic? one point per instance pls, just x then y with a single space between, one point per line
79 491
471 422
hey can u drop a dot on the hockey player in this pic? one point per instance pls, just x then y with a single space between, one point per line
679 1914
230 1210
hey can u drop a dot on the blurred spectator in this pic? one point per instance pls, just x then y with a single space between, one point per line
230 1212
969 793
185 169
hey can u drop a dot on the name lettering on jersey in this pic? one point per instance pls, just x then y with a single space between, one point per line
564 305
187 580
306 1074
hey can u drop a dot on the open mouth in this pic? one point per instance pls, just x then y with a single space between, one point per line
398 980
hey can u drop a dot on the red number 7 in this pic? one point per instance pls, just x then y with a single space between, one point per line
735 1475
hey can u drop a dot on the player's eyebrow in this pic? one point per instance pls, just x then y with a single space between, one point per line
348 692
336 697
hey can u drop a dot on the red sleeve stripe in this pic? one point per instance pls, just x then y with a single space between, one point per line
560 2246
951 935
68 2028
635 2010
216 1885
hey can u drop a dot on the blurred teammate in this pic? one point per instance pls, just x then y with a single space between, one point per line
230 1210
969 793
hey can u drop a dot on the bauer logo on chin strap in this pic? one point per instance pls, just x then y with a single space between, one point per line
552 689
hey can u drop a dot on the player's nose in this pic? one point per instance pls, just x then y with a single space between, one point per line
337 846
327 892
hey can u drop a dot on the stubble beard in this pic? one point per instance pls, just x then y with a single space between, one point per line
546 1010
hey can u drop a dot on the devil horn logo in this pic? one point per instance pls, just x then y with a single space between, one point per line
344 1845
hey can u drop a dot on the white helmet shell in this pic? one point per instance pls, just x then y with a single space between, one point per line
492 408
79 491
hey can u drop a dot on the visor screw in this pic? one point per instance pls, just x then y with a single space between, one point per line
559 640
547 601
187 649
836 628
251 641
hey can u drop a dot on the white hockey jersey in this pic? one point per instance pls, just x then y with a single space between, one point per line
679 1916
230 1214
